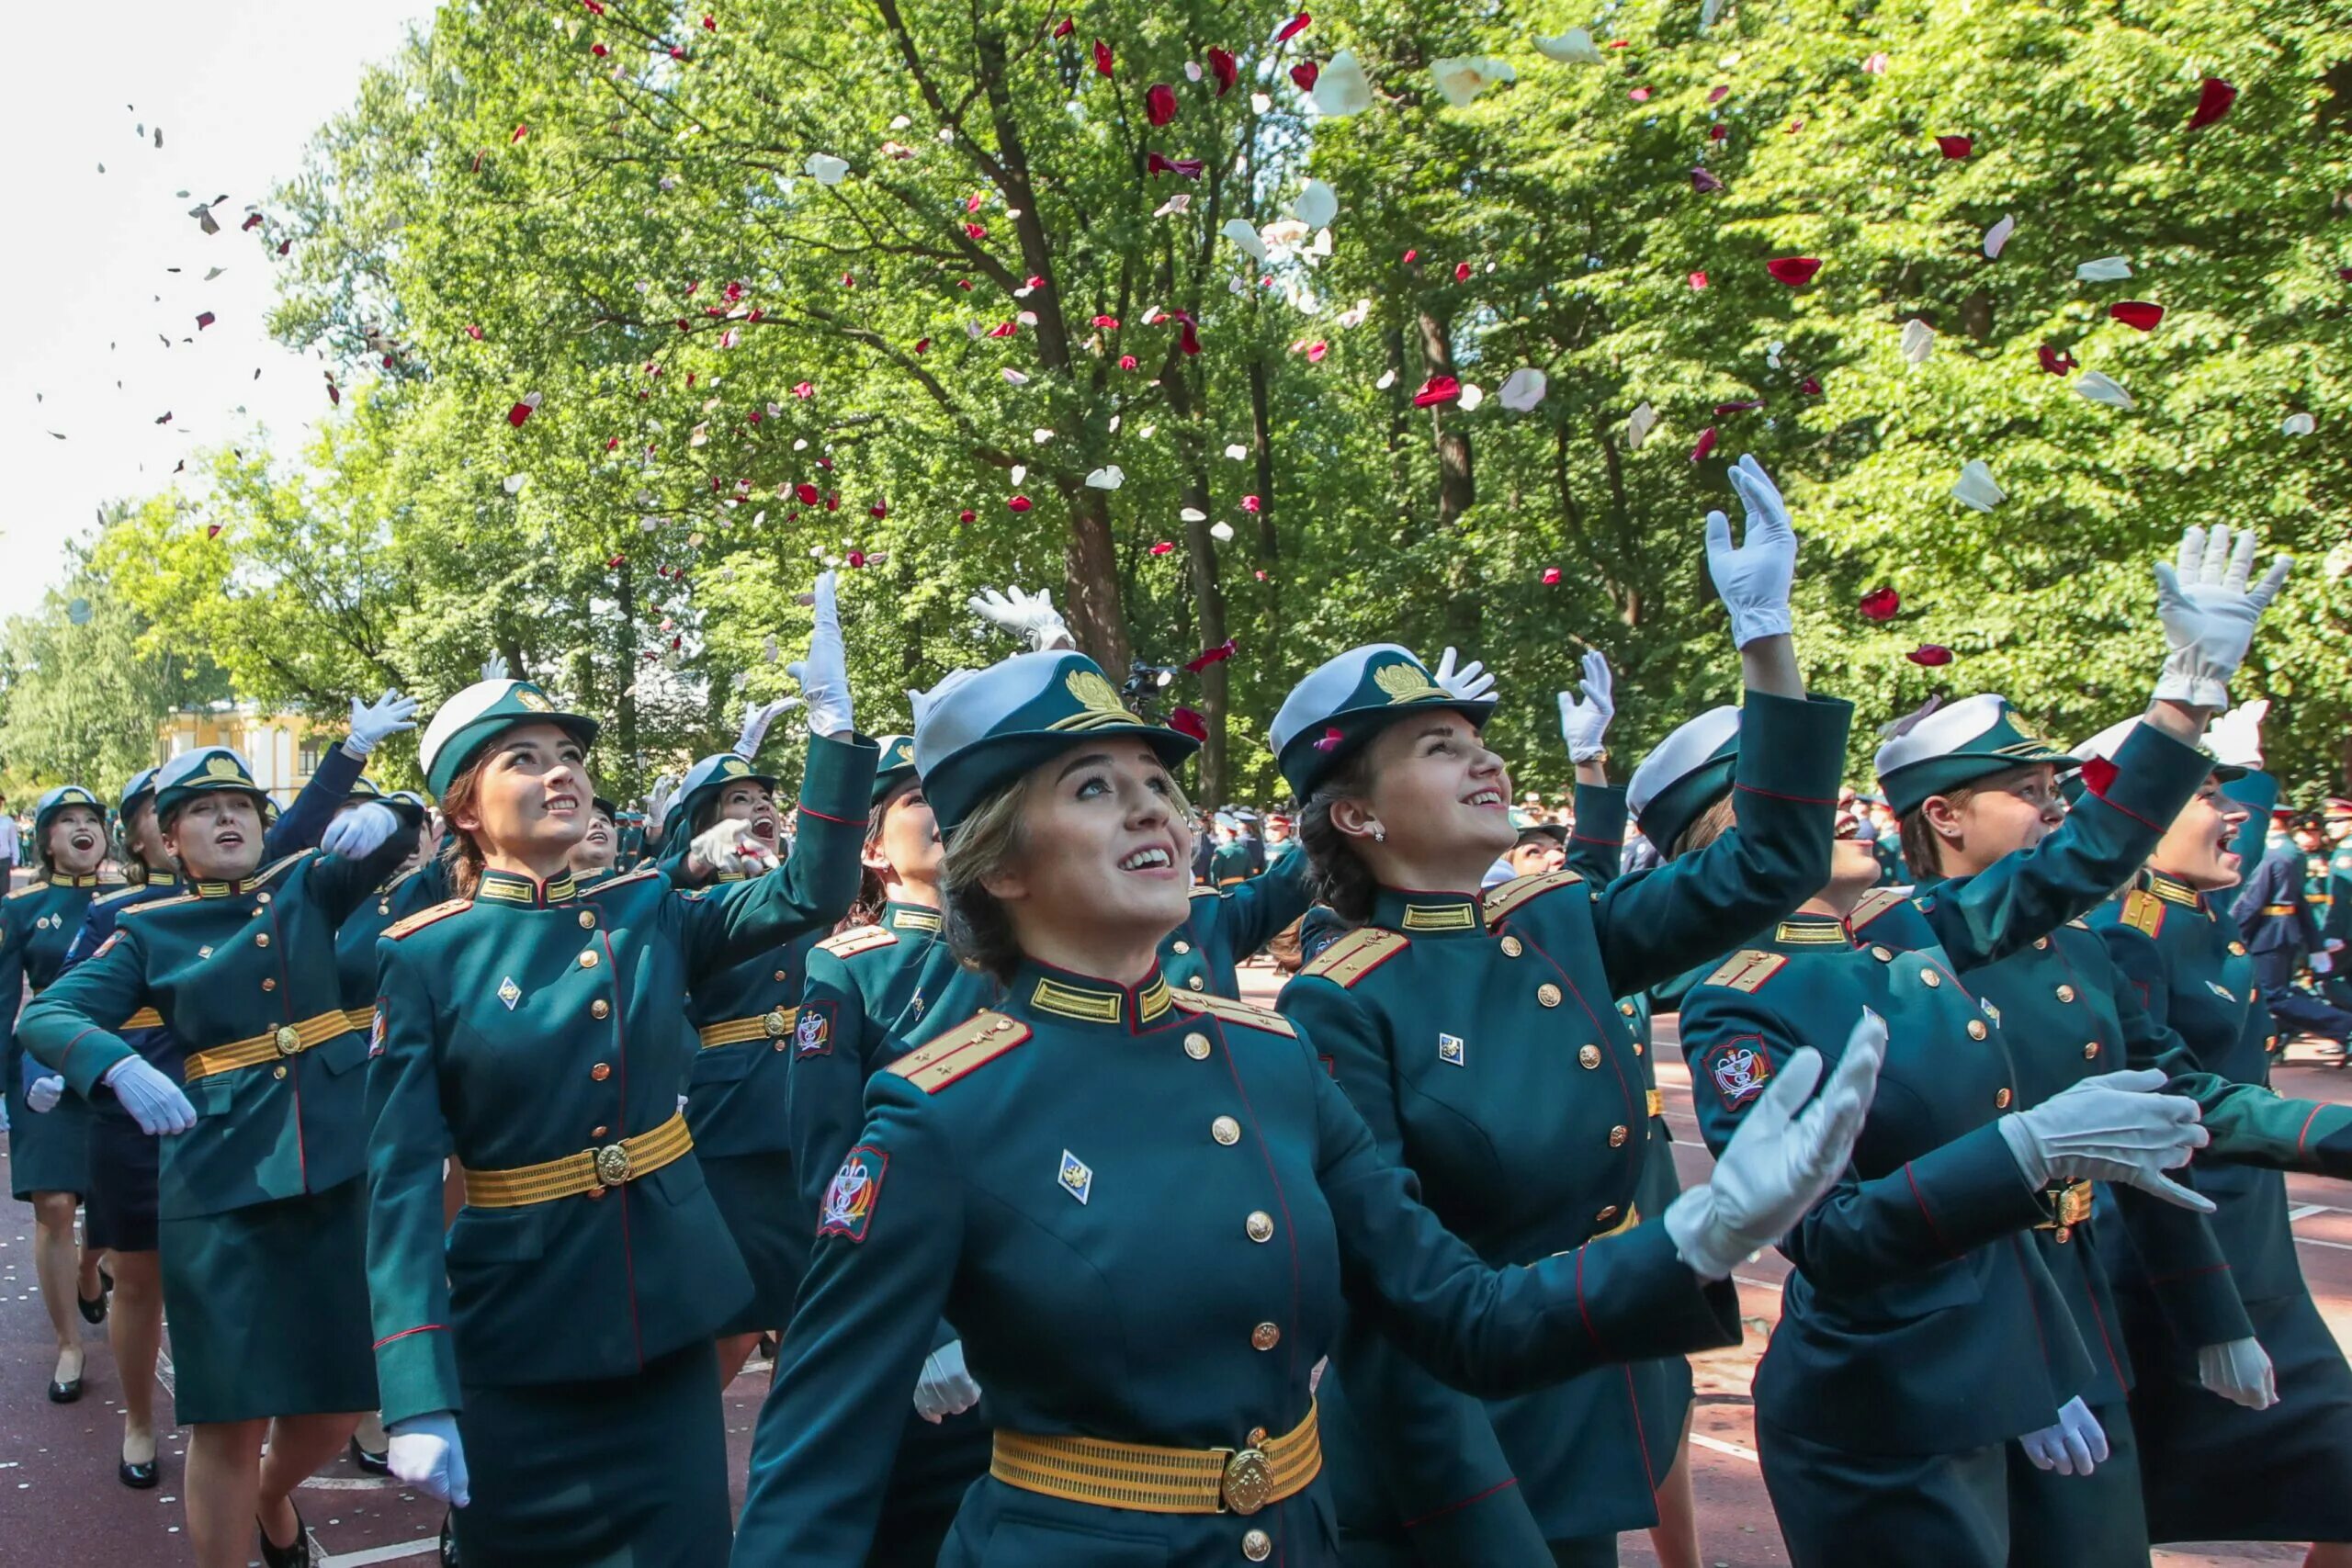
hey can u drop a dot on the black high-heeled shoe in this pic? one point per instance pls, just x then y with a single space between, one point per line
93 1312
374 1464
138 1477
64 1393
295 1556
449 1541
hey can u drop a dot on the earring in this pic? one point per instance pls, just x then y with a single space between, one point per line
1379 834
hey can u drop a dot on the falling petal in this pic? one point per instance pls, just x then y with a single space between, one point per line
2213 101
1316 206
1471 396
1292 27
1237 452
2105 269
1998 235
825 169
1794 271
1108 477
1014 378
1437 390
1976 488
1101 58
1523 389
1221 532
2056 362
1387 379
1551 576
1881 605
1574 47
2137 313
1706 444
1224 68
1918 341
1020 504
2297 424
1639 425
1185 721
1159 103
1875 66
1461 78
1698 281
1163 546
1304 74
1929 654
1244 234
1342 88
514 483
1955 146
2098 389
1702 182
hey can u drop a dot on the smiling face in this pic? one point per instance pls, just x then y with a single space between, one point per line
530 800
1853 864
598 847
1997 816
1103 861
748 800
2195 848
904 845
1440 799
77 840
217 835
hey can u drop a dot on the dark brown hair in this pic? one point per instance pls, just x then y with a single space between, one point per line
461 854
1922 849
1340 879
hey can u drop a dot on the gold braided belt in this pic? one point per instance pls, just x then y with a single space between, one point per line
1162 1481
587 1173
2072 1201
286 1039
362 1020
1657 1103
772 1025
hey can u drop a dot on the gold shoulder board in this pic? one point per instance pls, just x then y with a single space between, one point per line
1747 969
863 939
1231 1011
967 1046
1877 902
1510 895
1353 956
425 918
28 892
640 874
2143 911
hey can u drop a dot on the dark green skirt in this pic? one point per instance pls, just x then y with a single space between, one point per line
2080 1522
1838 1506
772 1228
49 1151
625 1472
268 1308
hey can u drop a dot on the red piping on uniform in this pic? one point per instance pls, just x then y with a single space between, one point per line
822 816
1503 1485
74 1043
1641 1438
1265 1153
620 1032
2040 1339
1582 1311
422 1328
2105 1343
1925 1213
2302 1135
1776 794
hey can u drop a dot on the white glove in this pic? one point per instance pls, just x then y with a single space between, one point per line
659 799
153 1101
357 833
756 720
426 1453
2322 964
824 674
2236 736
370 722
494 667
2240 1372
1780 1161
1471 683
1756 578
1031 617
2114 1127
2209 613
2076 1446
1585 725
42 1094
945 1388
729 845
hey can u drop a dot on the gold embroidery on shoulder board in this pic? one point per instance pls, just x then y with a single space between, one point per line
864 939
425 918
1810 933
1441 918
1512 895
1231 1011
1877 902
2171 892
1353 956
2143 911
1747 969
969 1045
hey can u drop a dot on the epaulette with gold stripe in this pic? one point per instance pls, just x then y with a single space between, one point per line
1207 893
967 1048
1747 969
2143 911
1230 1011
643 874
27 891
124 891
1355 955
1877 902
423 918
863 939
1511 896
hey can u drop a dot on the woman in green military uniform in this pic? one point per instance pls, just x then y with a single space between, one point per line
48 1131
550 1370
1141 1208
1481 1040
261 1233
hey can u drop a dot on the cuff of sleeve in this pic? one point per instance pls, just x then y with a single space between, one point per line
1600 813
2203 1308
1969 1191
839 778
1639 1301
2155 775
416 1369
2327 1141
89 1058
1794 748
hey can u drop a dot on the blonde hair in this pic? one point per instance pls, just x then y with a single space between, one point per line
1705 829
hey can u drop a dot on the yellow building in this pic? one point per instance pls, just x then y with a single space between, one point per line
282 749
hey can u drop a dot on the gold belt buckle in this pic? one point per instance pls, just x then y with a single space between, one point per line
776 1023
612 1165
1249 1480
2074 1205
289 1039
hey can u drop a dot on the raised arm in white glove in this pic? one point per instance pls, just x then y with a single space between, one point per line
1584 723
756 719
659 798
494 667
425 1452
824 674
357 832
1029 616
2076 1445
1471 683
2240 1372
945 1388
727 846
43 1093
153 1101
1785 1154
370 722
1756 577
2114 1127
2209 613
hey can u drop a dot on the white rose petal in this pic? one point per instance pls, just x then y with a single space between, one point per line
1918 341
2105 269
1316 206
2098 389
1463 77
515 482
1040 436
825 169
1194 515
1976 488
1387 379
1014 378
1107 476
1020 472
1342 88
1221 532
1237 452
1639 425
1998 235
1523 389
2297 424
1240 232
1471 396
1574 47
1259 103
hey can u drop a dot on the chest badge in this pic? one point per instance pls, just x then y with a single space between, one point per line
1992 1012
1451 1050
915 1004
2220 991
509 992
1077 1176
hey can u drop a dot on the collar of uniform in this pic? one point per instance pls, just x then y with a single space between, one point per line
60 879
1802 930
910 918
513 887
161 878
1427 914
2171 892
1061 994
224 889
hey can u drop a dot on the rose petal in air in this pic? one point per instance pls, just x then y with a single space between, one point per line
1918 341
1998 235
1108 477
1292 27
1551 576
2100 389
1794 271
1184 721
1159 103
1209 656
203 320
1881 605
2105 269
1162 547
825 169
1574 47
1461 78
2137 313
1224 68
1342 88
1955 146
1523 389
1704 182
1976 488
2297 424
1706 444
1020 504
1101 58
1306 73
2056 361
2213 101
1437 390
1929 654
1639 425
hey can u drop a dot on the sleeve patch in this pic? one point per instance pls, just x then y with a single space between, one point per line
376 1030
1738 1068
812 1032
849 1201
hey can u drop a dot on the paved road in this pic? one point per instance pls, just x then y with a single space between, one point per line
60 1507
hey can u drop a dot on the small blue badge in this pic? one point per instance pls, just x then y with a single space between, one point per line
509 992
1076 1178
1450 1049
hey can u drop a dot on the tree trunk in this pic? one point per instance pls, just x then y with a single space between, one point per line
624 699
1184 403
1091 580
1457 491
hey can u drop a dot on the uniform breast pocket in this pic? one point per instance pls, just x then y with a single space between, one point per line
680 1181
489 1237
343 1052
213 1097
723 1064
1018 1542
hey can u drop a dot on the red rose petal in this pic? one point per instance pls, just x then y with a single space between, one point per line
1955 146
1640 94
1881 605
805 493
1704 182
1004 328
967 515
1725 409
1411 257
1698 281
1794 271
1930 654
1162 547
2056 361
252 220
1292 27
1209 656
1551 576
1249 503
1706 444
1020 504
1717 132
879 511
1226 69
1189 340
1315 351
2137 313
1108 324
1102 57
1304 74
1159 103
520 131
473 331
205 319
1437 390
1184 721
1461 272
514 416
1810 387
599 51
922 346
2213 101
1154 163
1065 27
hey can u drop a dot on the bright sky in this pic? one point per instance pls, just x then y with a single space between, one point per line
236 87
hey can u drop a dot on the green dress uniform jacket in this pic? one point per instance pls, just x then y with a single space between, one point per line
2214 1470
418 888
522 1029
1226 925
1231 865
1142 1209
48 1151
1486 1051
